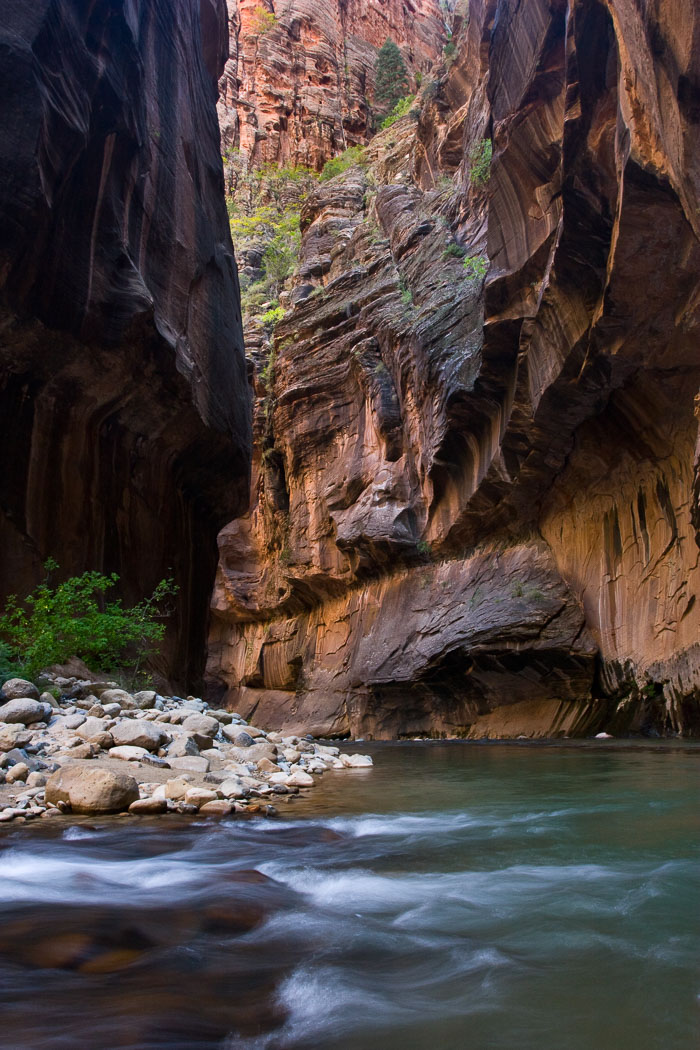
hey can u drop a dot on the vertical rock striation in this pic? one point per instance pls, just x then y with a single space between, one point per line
299 80
124 419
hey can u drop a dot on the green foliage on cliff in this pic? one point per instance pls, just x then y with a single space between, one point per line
337 165
401 109
476 267
480 162
264 206
263 20
60 620
391 78
273 316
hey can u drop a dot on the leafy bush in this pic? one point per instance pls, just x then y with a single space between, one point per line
391 77
480 162
406 294
454 251
337 165
449 50
476 266
401 109
263 20
58 621
273 316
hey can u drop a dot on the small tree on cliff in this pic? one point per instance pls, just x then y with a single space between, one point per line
391 78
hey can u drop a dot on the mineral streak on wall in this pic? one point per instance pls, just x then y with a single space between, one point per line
124 415
475 489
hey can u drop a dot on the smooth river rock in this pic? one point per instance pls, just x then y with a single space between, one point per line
92 789
24 710
18 688
139 733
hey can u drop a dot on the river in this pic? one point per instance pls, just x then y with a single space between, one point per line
455 897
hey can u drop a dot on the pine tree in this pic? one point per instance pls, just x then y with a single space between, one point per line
391 79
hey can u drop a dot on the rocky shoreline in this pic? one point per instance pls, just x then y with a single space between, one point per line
98 750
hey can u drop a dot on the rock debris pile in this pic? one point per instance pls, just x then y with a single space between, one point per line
70 755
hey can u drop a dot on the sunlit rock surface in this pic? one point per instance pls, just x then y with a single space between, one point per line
297 88
478 491
124 419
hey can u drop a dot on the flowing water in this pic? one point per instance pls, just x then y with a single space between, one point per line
455 897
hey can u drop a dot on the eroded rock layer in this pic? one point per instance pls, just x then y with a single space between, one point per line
299 81
124 420
473 501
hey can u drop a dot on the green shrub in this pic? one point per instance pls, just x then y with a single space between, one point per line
58 621
401 109
391 78
476 266
423 547
263 20
406 295
454 251
267 373
272 317
449 50
337 165
480 162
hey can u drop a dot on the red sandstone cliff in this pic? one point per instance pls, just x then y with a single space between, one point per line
473 479
297 86
124 418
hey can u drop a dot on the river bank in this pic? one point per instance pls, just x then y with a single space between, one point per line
97 749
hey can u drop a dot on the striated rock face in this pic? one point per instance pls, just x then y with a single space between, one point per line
298 84
473 501
124 423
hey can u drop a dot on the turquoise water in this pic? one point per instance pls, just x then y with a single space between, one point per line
455 896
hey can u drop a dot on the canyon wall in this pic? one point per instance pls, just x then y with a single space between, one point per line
473 506
299 80
124 413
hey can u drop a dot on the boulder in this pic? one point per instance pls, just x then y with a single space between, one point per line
14 736
266 765
356 761
191 763
24 710
91 728
175 789
216 808
202 728
139 733
18 689
117 696
233 788
145 806
253 753
18 772
300 779
129 753
92 789
182 745
238 736
145 699
198 796
73 721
